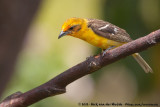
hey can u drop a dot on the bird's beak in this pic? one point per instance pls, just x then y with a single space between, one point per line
62 34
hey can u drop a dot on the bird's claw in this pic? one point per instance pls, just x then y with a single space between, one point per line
105 51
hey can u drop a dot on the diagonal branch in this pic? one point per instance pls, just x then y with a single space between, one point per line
57 84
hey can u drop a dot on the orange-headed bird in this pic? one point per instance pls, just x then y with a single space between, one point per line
101 34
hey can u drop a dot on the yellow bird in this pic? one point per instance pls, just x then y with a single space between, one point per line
101 34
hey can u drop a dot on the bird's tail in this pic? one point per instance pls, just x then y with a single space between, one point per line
142 63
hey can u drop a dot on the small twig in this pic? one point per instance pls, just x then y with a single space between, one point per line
57 84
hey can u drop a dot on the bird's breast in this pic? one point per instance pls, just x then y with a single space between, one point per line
96 40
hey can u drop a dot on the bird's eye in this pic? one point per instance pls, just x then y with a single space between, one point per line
71 28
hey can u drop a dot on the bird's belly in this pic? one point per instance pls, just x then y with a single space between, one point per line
99 41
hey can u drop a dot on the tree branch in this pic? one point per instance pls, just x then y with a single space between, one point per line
58 84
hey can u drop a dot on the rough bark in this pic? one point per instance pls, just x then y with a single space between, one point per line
58 84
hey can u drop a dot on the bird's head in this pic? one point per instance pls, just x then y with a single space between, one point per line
71 27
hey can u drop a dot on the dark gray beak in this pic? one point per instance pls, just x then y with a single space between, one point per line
62 34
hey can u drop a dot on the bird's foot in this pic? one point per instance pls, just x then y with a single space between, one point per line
104 52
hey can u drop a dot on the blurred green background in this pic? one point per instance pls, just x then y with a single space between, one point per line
44 56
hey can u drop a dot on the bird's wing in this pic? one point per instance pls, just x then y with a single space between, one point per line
108 30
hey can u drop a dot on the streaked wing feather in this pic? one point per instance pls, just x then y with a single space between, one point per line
108 30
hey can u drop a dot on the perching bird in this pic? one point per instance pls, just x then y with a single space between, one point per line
101 34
